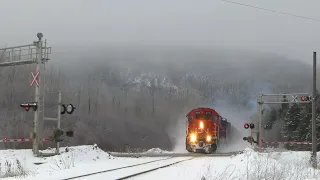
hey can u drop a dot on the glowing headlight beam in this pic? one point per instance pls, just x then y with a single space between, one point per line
201 125
193 138
208 138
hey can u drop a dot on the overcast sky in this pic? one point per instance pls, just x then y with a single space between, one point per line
179 22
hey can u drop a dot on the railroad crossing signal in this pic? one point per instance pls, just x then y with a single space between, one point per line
57 135
69 109
69 133
246 125
27 106
35 79
294 98
251 125
267 126
306 98
250 139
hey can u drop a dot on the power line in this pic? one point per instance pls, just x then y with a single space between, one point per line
270 10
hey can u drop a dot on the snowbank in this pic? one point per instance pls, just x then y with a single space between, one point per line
249 165
72 161
157 151
273 165
79 160
22 163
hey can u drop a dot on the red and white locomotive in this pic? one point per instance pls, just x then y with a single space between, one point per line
206 130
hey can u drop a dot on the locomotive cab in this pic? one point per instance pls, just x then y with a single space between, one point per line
202 133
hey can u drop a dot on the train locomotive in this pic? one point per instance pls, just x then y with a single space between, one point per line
206 130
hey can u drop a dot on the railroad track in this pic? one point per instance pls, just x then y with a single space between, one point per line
116 154
116 171
141 168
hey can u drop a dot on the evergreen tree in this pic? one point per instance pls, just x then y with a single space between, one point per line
303 131
291 122
283 109
309 131
271 117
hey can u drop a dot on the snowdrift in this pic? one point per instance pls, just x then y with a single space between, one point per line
22 163
250 164
157 151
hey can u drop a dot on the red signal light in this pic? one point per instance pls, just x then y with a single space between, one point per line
27 108
246 125
303 98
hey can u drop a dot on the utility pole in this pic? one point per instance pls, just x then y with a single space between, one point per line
36 138
314 113
260 122
59 119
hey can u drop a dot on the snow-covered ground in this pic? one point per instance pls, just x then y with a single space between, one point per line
82 160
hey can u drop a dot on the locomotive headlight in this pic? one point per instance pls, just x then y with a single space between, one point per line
208 138
193 138
201 125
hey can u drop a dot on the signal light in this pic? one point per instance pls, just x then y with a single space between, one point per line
69 133
305 98
267 126
246 125
57 133
250 139
69 109
27 106
251 125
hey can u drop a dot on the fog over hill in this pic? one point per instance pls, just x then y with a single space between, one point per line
138 95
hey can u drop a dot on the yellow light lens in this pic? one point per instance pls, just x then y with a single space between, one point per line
201 125
193 138
208 138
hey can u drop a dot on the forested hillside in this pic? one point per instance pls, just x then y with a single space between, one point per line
138 96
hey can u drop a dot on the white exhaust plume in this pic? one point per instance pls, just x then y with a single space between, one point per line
177 133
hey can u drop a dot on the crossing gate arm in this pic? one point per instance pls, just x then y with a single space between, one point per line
5 140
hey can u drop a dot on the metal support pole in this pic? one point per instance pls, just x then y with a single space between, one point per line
314 114
260 123
36 99
59 118
251 136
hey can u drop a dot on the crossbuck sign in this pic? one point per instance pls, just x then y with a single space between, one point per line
35 77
